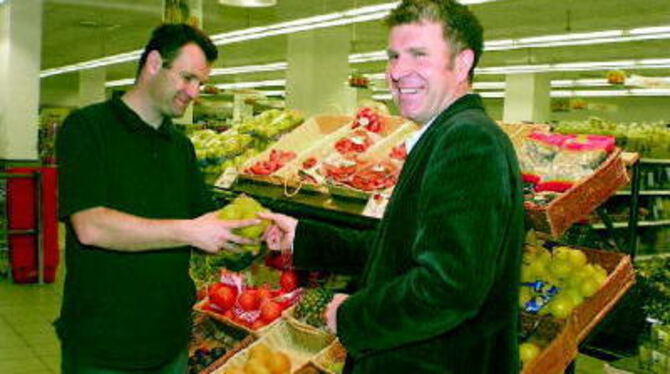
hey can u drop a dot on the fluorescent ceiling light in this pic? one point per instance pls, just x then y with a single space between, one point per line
492 70
567 93
577 66
356 15
275 66
571 36
273 92
249 3
120 82
238 85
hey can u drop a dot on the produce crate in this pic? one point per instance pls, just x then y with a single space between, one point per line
518 132
563 349
207 334
204 308
334 354
213 367
302 139
558 354
299 346
290 319
620 278
580 200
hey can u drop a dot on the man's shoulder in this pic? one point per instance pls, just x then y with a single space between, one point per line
90 114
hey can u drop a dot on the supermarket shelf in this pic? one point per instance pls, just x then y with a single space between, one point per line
650 256
657 161
619 225
645 193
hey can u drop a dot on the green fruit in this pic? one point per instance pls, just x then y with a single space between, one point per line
227 213
561 306
577 258
589 287
528 351
575 295
244 207
560 268
251 248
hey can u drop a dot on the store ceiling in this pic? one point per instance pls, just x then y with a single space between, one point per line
80 30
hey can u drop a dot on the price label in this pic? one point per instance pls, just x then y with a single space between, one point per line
376 205
227 178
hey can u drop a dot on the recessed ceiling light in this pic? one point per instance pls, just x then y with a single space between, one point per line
249 3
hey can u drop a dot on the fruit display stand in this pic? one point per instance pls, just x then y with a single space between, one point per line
580 200
299 346
555 218
564 347
314 140
204 307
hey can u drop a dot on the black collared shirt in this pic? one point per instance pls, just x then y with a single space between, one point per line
126 309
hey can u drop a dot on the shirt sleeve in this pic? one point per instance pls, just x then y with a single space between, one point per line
325 247
462 218
81 171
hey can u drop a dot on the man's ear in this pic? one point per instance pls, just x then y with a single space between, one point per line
464 61
154 62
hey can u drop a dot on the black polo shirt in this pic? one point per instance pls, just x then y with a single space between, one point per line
126 309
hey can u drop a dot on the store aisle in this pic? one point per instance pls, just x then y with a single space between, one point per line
28 344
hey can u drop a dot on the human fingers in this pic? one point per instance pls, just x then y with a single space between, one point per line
235 224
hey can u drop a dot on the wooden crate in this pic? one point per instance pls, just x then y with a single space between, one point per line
580 200
563 349
203 307
299 346
518 132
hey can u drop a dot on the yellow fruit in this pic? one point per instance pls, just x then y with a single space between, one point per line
235 370
561 306
256 366
526 274
279 363
538 269
560 268
244 207
561 253
528 351
260 352
575 295
589 287
227 213
577 258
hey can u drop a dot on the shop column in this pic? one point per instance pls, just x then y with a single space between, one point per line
92 86
318 68
20 53
183 11
527 98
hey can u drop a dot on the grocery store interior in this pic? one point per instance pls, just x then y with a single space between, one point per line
291 78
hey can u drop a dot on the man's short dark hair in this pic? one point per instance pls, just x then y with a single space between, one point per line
461 29
168 39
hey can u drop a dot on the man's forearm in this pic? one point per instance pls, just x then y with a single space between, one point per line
112 229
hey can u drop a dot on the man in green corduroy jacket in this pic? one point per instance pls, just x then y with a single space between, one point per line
440 273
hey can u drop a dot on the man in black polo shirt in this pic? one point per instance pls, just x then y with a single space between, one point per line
134 204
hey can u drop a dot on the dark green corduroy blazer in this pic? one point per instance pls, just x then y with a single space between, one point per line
440 274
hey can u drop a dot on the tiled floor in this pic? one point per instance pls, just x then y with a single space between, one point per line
28 344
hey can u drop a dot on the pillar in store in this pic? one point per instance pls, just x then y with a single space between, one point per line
318 68
183 11
242 110
20 53
527 98
91 86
